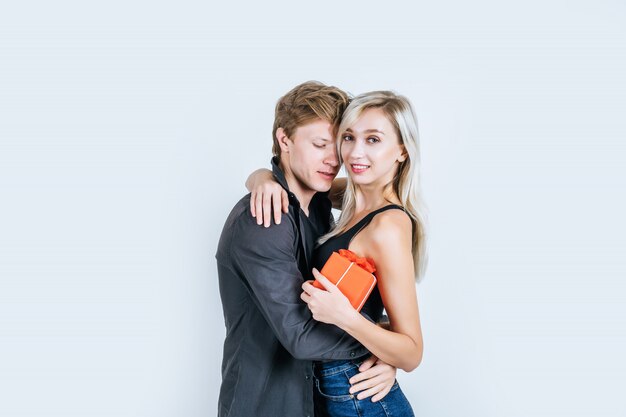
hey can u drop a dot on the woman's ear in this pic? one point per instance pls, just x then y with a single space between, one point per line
403 155
283 140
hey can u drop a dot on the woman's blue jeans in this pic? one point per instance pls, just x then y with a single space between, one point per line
332 398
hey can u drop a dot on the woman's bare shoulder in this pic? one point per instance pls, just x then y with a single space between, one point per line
390 228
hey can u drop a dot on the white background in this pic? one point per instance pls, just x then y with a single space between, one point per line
127 129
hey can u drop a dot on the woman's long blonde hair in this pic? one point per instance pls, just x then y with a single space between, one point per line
405 184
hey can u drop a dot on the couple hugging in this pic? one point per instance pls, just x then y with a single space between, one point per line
297 349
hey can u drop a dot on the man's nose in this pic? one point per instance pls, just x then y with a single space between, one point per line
331 157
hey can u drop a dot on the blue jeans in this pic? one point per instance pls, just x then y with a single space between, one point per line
332 398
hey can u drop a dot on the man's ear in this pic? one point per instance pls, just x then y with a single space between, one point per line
283 140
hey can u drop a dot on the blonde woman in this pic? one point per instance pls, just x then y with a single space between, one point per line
381 220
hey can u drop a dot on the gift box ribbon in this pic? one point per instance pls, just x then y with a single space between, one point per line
364 263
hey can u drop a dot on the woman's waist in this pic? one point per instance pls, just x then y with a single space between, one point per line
328 368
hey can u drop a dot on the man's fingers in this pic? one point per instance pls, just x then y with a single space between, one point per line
305 297
372 391
382 394
368 363
366 384
362 376
252 200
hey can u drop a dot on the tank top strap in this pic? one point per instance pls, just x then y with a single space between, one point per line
350 233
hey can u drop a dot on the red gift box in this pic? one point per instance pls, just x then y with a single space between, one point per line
352 275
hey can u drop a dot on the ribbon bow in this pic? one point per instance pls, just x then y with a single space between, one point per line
365 263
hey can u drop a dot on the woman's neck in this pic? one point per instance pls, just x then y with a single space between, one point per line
369 198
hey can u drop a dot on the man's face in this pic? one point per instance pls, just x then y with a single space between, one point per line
312 156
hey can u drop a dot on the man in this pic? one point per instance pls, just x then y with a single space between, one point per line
271 337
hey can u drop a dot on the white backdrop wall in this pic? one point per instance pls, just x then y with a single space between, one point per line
127 130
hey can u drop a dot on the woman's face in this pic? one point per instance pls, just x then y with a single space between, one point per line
371 149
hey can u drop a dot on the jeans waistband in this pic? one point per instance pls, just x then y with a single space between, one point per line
333 367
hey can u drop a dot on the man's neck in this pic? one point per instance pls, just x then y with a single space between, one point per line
303 195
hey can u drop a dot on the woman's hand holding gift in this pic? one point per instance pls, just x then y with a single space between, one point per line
329 305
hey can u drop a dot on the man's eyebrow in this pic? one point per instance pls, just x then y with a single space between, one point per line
322 138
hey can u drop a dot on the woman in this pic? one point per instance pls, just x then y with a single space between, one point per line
378 144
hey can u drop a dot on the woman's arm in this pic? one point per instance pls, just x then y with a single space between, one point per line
336 192
388 242
267 196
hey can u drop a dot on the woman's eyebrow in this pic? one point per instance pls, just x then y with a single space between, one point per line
368 131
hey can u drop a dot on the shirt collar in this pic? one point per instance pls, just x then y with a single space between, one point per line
280 177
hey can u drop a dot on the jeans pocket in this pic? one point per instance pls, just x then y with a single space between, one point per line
334 387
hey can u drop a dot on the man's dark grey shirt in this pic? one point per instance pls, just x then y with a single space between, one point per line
271 337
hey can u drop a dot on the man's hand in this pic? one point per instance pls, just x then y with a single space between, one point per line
375 378
266 195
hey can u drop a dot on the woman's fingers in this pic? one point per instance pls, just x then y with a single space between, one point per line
252 207
277 205
267 209
328 286
285 200
267 199
307 286
258 204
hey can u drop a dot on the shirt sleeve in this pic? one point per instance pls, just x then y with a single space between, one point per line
266 258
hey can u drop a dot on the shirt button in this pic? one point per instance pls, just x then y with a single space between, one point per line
352 354
307 377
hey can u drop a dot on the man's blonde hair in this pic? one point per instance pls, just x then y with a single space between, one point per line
306 103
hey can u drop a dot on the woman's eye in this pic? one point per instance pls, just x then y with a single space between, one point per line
373 140
347 138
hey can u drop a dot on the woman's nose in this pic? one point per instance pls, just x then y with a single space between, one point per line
356 150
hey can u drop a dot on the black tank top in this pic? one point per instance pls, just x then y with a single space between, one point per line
373 307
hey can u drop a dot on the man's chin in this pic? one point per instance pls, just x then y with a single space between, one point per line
322 187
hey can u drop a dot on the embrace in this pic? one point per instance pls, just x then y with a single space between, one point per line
297 349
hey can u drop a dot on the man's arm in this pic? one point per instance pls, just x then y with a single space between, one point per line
266 258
